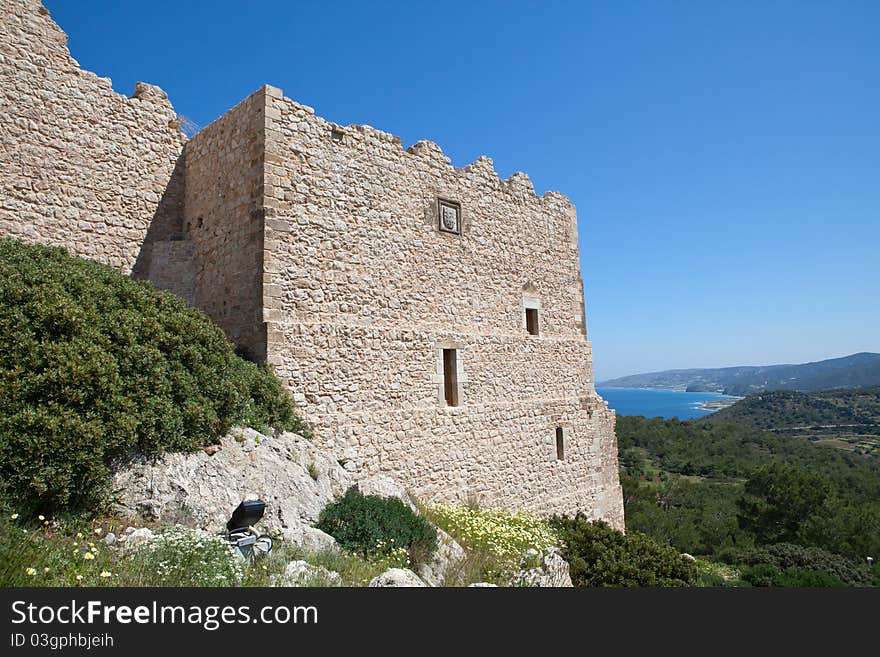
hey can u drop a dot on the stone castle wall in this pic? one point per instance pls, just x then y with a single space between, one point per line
318 248
363 291
223 219
81 166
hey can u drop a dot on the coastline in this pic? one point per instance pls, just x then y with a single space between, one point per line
713 405
665 402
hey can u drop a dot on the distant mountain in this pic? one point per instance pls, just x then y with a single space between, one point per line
862 369
850 408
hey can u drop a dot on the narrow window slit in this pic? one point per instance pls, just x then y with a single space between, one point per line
532 321
560 444
450 377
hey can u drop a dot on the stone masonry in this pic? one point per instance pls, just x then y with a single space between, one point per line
428 319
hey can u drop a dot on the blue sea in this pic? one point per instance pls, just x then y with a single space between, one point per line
665 403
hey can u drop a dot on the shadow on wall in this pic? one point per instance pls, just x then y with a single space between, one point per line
166 256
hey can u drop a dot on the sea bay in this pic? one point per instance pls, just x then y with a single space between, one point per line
663 403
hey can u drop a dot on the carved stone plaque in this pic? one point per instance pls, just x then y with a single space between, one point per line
450 217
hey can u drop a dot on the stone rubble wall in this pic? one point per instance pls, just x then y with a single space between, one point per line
81 166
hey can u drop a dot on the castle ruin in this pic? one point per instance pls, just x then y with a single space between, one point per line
428 319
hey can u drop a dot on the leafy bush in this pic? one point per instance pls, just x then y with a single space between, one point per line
601 556
767 575
183 557
371 525
787 556
94 365
501 536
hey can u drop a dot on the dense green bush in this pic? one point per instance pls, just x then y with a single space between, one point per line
372 525
94 365
784 556
601 556
767 575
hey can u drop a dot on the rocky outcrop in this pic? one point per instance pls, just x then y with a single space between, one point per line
440 570
397 577
201 490
545 569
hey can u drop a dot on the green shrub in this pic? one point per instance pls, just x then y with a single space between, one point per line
378 526
94 365
601 556
182 557
767 575
783 556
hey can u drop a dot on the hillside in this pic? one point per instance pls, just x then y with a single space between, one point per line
862 369
847 417
781 409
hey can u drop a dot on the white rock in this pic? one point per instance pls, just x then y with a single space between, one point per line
110 538
397 577
545 569
139 536
440 570
302 573
310 539
202 491
482 585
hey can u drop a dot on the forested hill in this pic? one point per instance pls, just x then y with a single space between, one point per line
850 408
862 369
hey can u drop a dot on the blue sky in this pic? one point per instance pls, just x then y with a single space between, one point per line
724 157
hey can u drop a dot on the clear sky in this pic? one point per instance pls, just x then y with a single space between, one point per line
724 156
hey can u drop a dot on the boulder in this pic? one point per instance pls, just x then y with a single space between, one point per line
397 577
440 570
309 539
547 568
133 536
302 573
384 486
201 490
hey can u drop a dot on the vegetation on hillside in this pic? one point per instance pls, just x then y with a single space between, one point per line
94 365
784 509
848 418
601 556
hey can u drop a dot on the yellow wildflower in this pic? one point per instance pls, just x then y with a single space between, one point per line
88 556
105 573
14 516
41 518
98 530
31 572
